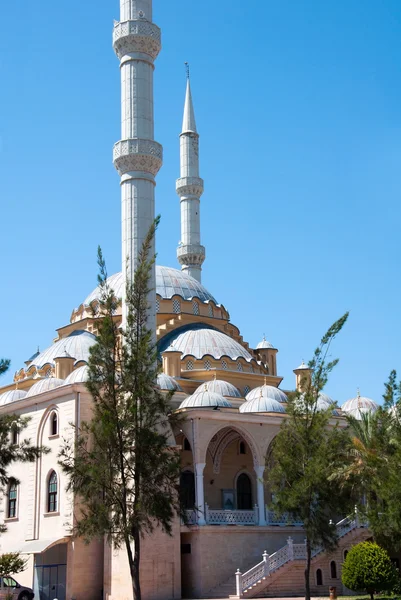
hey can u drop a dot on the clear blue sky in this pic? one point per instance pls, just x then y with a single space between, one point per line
299 109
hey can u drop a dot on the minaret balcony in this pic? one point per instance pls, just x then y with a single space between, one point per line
191 255
189 186
137 155
136 36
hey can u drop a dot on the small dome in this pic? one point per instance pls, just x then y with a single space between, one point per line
166 382
262 405
267 391
79 375
44 385
202 341
264 344
323 403
358 406
220 387
12 396
76 345
302 366
205 399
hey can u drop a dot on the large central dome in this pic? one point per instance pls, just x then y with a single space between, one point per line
169 282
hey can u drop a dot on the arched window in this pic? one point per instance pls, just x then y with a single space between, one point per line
187 445
345 554
333 569
319 577
53 424
244 492
187 489
52 493
12 501
195 307
242 448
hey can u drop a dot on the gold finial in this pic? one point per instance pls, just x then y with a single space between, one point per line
187 69
214 376
205 387
261 393
265 381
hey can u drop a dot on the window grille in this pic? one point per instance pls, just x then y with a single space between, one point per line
176 306
224 365
195 308
208 365
240 367
210 310
190 365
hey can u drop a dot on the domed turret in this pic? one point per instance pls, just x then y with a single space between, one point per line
220 387
205 399
264 344
358 406
267 391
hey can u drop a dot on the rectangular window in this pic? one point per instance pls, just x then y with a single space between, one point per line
12 501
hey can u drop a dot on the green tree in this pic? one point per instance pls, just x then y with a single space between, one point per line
122 466
305 452
368 568
12 563
372 465
4 364
384 493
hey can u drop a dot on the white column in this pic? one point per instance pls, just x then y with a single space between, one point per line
200 493
137 157
260 493
190 252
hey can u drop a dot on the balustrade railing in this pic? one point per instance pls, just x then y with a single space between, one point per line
289 552
231 517
283 520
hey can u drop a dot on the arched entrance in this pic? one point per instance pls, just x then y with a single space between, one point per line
244 492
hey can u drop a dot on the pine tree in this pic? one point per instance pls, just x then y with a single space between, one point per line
122 466
305 452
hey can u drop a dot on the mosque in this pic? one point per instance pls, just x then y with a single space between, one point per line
228 390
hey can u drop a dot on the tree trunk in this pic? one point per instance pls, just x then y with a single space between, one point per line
307 569
134 560
372 596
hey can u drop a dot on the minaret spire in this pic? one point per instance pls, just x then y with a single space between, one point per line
137 157
190 252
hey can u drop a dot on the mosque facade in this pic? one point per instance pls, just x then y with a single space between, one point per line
229 391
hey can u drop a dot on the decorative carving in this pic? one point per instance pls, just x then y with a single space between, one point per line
189 186
137 155
136 36
191 255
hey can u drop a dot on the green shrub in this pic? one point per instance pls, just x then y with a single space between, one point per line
368 568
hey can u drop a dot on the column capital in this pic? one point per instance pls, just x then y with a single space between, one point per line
199 467
259 470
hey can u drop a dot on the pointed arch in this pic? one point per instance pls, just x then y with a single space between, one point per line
242 432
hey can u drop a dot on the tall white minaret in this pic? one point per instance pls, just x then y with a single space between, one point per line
189 187
137 157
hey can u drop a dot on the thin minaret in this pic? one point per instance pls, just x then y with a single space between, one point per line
137 157
190 252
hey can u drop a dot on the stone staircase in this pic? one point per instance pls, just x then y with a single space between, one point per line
282 573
